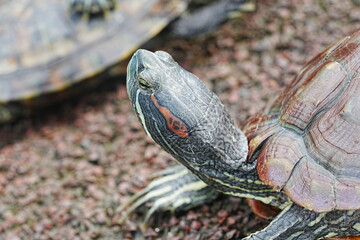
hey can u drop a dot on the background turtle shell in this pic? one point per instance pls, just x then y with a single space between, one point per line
44 49
309 139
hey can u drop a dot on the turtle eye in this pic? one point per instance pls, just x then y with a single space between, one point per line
143 84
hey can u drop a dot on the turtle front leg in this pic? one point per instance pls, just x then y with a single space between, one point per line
176 189
209 17
296 222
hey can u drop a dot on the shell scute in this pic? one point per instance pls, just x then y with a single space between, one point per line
348 56
278 157
347 193
311 185
335 136
317 91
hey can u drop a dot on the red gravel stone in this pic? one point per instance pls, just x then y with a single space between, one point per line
222 214
231 221
196 225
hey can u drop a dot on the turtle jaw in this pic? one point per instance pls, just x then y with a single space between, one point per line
183 116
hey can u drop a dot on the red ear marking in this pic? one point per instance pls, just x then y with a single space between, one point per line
173 123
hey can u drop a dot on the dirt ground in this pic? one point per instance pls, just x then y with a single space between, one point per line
65 170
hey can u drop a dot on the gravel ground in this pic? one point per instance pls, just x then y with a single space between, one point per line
65 170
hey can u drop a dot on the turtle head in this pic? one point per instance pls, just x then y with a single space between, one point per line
183 116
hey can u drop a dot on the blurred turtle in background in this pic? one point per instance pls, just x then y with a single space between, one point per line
49 48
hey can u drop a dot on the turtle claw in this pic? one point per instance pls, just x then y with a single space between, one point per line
176 189
87 8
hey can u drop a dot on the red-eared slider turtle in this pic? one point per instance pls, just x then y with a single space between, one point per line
49 45
302 155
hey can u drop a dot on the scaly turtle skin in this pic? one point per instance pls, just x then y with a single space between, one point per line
301 155
49 45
